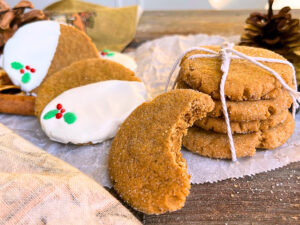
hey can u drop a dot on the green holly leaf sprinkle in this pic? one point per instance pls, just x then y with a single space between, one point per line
50 114
26 78
16 65
70 118
106 50
111 54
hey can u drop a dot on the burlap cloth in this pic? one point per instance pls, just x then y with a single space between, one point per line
37 188
109 28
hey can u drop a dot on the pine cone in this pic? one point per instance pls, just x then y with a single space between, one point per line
277 32
13 18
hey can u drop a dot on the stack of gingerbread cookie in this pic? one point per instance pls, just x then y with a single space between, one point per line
257 104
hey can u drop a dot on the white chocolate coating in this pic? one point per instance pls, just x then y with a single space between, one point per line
100 108
33 44
122 59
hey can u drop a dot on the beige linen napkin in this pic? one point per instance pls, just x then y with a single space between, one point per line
37 188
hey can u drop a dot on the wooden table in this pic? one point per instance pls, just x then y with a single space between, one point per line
266 198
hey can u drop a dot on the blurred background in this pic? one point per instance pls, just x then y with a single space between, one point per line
182 4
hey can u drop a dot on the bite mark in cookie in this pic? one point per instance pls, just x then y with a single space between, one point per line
145 162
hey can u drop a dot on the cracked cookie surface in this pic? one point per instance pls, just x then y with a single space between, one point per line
245 80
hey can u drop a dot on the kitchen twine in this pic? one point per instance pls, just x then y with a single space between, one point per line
227 53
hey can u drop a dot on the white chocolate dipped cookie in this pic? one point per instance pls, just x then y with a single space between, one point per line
121 58
39 49
96 114
86 102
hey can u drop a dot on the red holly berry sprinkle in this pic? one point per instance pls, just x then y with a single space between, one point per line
103 53
62 110
59 106
59 115
32 70
22 70
27 67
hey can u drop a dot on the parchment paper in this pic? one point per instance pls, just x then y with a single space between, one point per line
154 60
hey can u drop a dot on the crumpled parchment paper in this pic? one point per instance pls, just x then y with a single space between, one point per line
154 60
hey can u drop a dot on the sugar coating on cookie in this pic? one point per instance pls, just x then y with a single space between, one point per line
216 145
218 124
145 163
91 113
245 80
278 135
78 74
254 110
118 57
41 48
180 84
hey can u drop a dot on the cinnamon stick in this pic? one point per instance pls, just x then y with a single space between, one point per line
17 104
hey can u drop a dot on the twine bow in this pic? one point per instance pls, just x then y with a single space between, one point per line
227 53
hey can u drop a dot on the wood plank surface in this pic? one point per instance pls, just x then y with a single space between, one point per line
266 198
154 24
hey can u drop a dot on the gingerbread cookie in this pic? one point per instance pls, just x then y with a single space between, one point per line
218 124
180 84
254 110
90 113
216 145
121 58
277 136
145 162
245 80
39 49
78 74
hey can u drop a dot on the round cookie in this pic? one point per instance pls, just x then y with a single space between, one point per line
245 80
78 74
216 145
145 163
121 58
180 84
41 48
254 110
257 110
277 136
91 113
218 124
